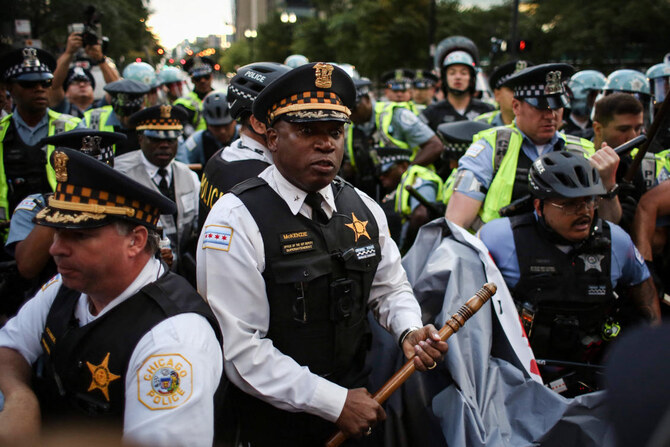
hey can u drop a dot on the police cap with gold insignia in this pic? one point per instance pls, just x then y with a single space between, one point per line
199 66
424 79
27 64
542 86
399 79
96 143
505 71
91 194
310 92
164 122
127 95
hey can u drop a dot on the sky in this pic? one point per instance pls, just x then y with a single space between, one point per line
175 20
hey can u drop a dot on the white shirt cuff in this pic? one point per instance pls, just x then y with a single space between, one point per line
328 400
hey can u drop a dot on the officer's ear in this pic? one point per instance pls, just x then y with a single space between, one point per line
537 204
257 126
598 131
271 136
137 240
516 106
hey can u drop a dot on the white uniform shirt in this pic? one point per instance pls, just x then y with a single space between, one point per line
184 343
230 277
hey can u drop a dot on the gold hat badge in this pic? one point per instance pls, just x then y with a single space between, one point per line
323 74
60 166
553 83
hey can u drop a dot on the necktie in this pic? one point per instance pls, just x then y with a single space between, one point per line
314 200
163 184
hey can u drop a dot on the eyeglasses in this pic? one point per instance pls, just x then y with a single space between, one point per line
575 207
32 84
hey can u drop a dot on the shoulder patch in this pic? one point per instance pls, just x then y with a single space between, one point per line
475 149
190 144
164 381
27 204
49 283
217 237
638 256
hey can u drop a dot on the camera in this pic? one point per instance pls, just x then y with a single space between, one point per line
91 29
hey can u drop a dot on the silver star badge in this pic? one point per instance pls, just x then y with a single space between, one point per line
592 262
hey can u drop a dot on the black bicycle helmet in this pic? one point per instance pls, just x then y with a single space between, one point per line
248 82
563 174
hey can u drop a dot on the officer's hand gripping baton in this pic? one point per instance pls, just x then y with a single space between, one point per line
451 326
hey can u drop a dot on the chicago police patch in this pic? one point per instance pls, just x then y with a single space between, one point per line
164 381
217 237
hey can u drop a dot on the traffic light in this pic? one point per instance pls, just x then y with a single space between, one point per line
522 45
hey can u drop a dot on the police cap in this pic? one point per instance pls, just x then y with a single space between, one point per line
424 79
76 74
128 87
502 73
96 143
27 64
199 66
311 92
457 136
541 86
163 121
362 88
91 194
399 79
388 156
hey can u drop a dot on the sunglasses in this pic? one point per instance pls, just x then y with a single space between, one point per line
200 78
32 84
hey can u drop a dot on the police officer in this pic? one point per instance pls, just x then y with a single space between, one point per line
154 166
29 243
377 123
398 87
395 174
144 73
503 94
201 70
78 93
634 83
172 81
458 76
659 81
492 172
127 96
290 262
221 131
120 340
69 60
457 138
423 88
24 168
562 263
583 88
247 156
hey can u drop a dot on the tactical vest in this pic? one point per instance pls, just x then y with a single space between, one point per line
571 293
510 168
653 166
210 145
318 279
402 197
221 175
86 367
359 145
383 128
25 170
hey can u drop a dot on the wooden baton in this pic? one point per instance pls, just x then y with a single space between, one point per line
452 325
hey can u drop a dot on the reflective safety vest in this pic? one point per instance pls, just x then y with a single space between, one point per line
506 142
410 177
409 105
193 103
96 119
383 118
655 167
58 122
487 117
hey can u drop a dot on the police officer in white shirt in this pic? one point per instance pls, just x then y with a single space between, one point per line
116 338
291 261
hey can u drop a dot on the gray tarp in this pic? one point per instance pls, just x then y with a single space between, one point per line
482 395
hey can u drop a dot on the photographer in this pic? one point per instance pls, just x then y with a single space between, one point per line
75 41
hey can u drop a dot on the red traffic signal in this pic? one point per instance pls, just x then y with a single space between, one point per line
522 45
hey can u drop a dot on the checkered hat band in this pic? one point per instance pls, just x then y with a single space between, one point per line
160 124
240 93
306 101
17 70
502 80
457 147
393 158
85 199
127 100
529 91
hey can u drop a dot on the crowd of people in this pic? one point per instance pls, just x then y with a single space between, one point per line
198 266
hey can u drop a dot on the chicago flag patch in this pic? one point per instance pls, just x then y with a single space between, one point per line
217 237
